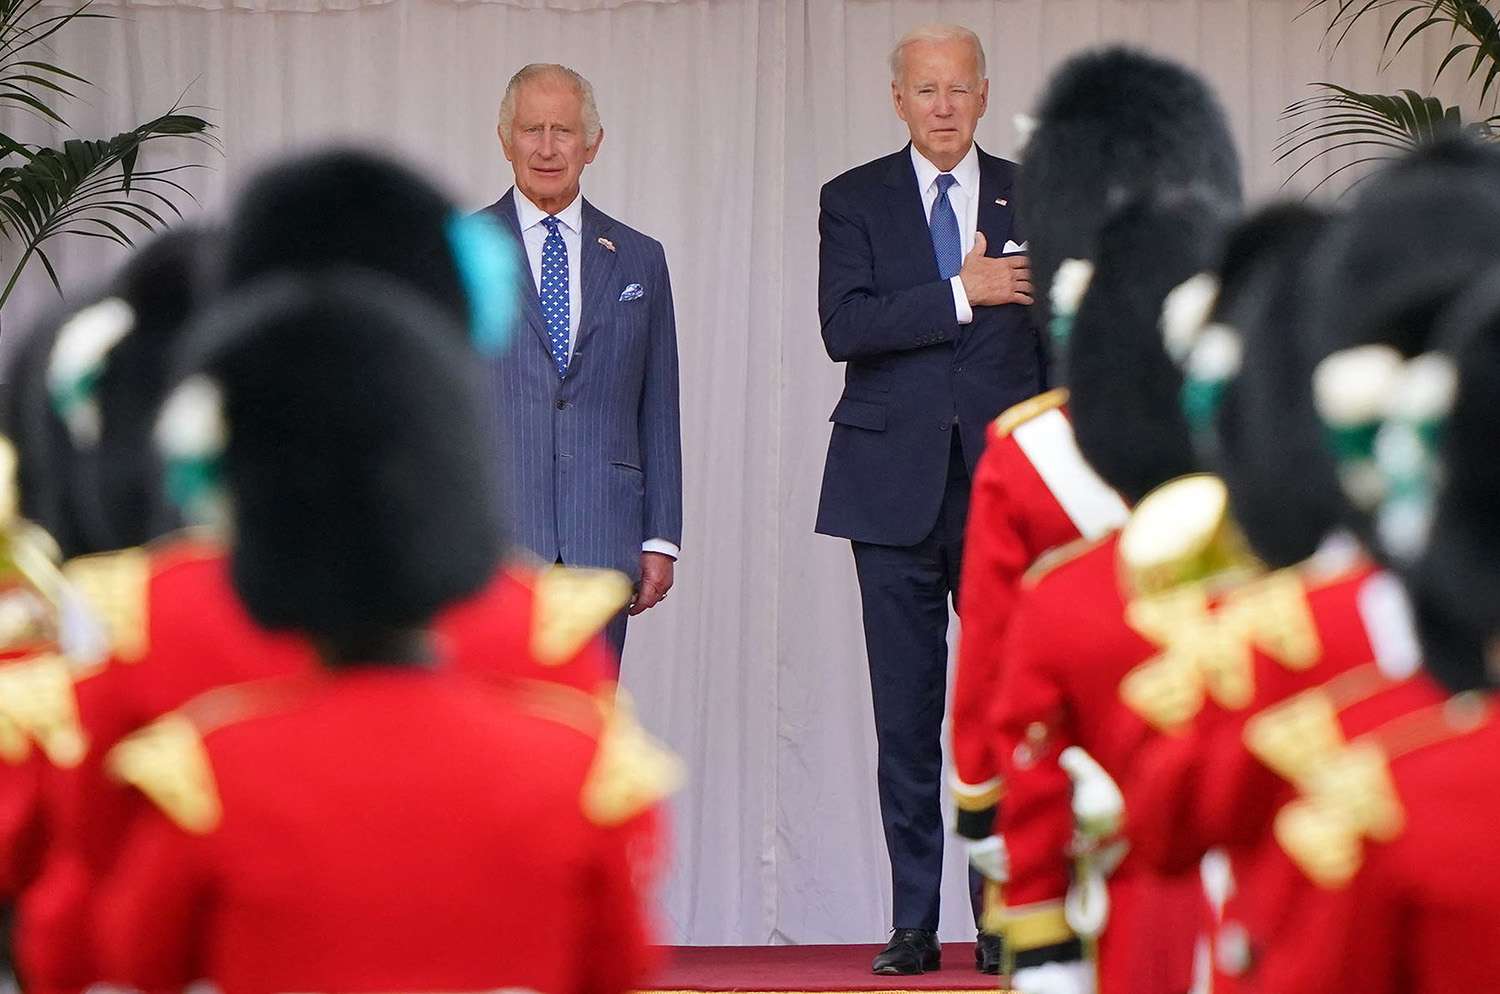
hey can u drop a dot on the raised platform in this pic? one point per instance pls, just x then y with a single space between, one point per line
808 970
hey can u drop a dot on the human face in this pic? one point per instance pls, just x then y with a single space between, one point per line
546 145
941 98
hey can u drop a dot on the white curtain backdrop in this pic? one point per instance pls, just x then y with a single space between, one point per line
722 118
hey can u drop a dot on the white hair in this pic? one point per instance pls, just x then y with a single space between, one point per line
551 70
938 33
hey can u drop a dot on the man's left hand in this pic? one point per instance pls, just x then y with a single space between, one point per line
656 580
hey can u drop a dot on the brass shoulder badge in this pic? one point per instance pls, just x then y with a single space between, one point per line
631 770
37 705
168 763
571 607
1346 800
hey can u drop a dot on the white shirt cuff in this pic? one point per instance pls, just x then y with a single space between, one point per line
661 545
961 301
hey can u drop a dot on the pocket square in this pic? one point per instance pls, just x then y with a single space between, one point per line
632 292
1013 247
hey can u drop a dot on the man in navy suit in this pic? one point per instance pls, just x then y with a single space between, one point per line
589 393
922 293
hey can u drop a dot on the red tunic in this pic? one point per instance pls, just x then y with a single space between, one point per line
180 630
1407 871
1031 493
1068 648
1205 789
379 830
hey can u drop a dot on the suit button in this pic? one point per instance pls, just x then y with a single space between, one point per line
561 405
944 426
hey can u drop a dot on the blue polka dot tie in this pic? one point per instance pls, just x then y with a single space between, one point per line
944 224
554 293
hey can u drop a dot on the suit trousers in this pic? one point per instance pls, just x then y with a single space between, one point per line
904 594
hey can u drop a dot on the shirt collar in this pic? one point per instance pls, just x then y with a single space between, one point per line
529 215
966 172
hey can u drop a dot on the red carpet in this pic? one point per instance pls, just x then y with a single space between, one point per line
810 969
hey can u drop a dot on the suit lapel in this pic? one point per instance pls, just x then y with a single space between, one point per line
598 265
996 219
531 303
908 222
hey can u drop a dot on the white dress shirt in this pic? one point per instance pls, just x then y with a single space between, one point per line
534 233
963 195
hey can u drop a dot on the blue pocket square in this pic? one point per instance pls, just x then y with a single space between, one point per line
632 292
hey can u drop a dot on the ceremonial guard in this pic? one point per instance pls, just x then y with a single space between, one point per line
1077 632
1033 491
1223 783
1391 827
351 441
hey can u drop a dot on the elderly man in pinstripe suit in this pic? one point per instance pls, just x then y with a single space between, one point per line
589 394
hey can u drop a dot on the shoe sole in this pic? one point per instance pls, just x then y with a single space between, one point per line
932 967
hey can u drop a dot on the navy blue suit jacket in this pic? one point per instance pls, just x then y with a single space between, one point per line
594 459
910 367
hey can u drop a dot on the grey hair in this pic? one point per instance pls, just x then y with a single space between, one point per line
540 70
936 33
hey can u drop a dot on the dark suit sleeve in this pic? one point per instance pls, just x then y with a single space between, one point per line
661 418
858 323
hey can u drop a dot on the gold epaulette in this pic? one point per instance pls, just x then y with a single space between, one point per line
116 585
1059 555
1014 417
1180 533
168 762
631 770
37 704
1346 791
572 606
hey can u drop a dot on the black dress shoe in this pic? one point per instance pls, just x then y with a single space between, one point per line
987 954
910 951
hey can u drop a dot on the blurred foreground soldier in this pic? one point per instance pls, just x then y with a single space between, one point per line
1111 126
87 392
1058 712
346 207
1393 825
1225 782
349 438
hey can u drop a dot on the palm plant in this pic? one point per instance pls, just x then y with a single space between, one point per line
1382 126
93 188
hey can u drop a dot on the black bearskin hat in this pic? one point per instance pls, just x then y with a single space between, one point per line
1113 125
345 423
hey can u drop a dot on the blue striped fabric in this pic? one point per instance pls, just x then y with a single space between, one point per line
594 459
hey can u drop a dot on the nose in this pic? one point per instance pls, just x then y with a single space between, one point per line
944 105
549 144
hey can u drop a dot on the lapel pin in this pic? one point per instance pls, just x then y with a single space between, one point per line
1002 202
606 243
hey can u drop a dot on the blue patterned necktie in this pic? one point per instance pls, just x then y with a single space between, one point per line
554 293
946 243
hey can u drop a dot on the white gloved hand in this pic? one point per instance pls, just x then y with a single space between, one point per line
990 857
1076 977
1098 805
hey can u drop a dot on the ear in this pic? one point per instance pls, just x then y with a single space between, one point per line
504 144
593 150
984 96
896 99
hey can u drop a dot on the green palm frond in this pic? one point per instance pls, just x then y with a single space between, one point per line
1378 126
92 188
1472 27
26 81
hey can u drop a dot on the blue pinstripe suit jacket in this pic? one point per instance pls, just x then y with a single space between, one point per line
594 459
